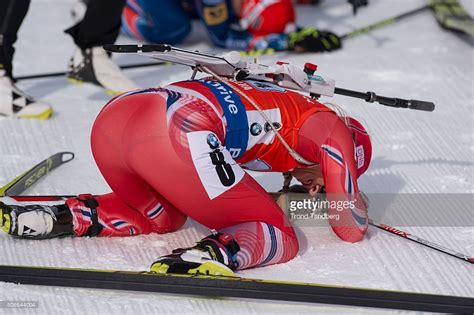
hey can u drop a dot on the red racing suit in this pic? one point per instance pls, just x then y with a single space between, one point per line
179 151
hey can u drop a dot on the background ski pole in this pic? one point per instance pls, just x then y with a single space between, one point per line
438 6
383 23
354 33
423 242
63 73
450 14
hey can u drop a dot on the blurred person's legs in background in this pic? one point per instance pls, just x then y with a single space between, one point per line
13 101
90 63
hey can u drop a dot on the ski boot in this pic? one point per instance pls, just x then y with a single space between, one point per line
36 221
94 65
15 103
213 255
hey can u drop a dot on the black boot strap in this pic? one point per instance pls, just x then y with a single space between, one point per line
95 228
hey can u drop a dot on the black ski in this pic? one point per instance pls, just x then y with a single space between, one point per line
21 183
234 287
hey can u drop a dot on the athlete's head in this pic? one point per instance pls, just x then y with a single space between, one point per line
362 145
312 178
263 17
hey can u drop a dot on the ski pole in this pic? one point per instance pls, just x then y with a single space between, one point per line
383 23
381 226
389 229
423 242
63 73
354 33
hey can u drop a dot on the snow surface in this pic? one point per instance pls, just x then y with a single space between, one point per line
414 153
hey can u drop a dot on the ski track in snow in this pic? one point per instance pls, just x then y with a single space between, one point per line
414 152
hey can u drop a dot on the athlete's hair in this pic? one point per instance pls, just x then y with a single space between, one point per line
344 116
340 112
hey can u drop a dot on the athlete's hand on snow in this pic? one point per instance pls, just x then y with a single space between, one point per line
310 39
356 4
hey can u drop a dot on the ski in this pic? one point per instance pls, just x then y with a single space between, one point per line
234 287
24 181
452 16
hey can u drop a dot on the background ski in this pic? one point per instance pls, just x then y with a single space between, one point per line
28 178
212 286
451 15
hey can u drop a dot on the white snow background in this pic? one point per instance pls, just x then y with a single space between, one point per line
414 152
